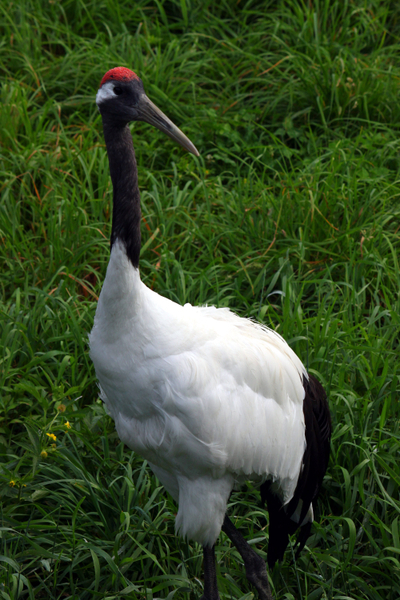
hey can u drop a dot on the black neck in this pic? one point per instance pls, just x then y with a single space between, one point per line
124 176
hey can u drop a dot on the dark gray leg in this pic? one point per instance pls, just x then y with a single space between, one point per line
210 575
256 571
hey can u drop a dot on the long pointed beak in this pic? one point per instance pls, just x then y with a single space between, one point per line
149 113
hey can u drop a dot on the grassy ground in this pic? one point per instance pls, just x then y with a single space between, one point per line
291 216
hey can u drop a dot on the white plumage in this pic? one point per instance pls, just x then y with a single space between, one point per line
208 398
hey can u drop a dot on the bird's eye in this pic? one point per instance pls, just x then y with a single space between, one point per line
117 90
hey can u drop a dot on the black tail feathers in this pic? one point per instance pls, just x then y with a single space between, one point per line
315 461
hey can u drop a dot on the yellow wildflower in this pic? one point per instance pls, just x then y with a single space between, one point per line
68 425
12 483
52 436
43 454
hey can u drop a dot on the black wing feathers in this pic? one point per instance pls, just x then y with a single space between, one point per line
315 461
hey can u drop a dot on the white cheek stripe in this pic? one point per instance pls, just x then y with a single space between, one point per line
106 92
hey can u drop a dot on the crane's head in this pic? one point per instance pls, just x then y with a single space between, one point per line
121 99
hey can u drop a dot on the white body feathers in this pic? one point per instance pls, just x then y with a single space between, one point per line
208 398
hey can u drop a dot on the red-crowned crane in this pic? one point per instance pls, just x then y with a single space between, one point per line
209 399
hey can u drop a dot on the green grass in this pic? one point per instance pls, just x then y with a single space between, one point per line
291 216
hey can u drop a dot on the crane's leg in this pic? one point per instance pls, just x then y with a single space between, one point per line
256 571
210 574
